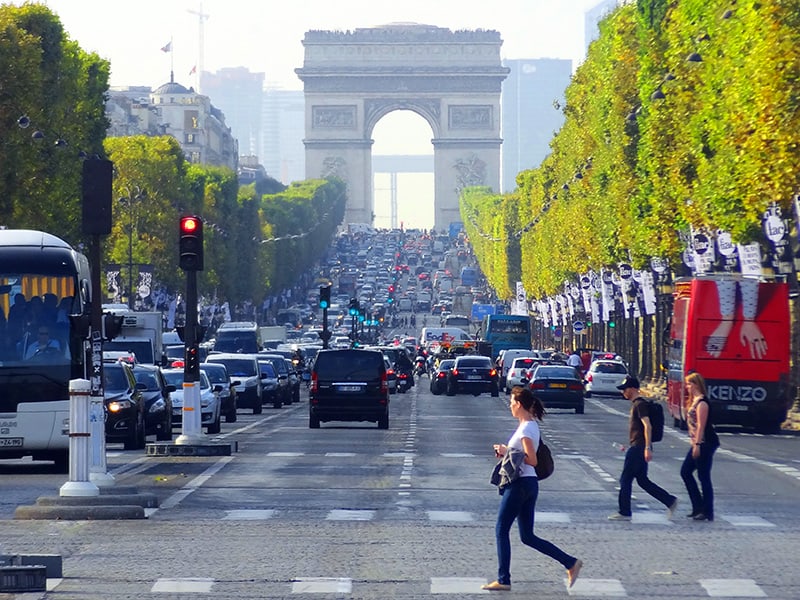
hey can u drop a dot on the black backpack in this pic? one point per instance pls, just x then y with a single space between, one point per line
656 411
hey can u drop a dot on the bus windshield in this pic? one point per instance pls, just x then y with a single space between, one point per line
504 332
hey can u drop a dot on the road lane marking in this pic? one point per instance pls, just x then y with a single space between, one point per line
732 588
195 483
183 585
322 585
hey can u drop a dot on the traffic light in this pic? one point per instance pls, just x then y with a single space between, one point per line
354 307
191 244
192 360
325 296
96 186
612 324
391 289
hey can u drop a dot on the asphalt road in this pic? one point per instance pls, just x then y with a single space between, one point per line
351 511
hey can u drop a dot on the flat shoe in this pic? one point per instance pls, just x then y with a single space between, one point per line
572 574
496 586
702 517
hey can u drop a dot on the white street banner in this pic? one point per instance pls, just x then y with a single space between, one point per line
750 259
521 304
649 292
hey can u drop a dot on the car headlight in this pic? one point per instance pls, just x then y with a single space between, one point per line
157 406
118 405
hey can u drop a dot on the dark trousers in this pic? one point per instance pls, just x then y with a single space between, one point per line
635 467
519 503
701 503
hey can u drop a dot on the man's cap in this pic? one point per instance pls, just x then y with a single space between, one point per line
629 382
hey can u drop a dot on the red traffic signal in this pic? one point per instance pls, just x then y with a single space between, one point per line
191 244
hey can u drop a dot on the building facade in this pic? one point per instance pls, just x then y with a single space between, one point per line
172 109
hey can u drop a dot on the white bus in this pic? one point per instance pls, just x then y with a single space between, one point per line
44 289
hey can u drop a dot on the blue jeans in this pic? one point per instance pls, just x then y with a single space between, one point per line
519 502
701 503
635 467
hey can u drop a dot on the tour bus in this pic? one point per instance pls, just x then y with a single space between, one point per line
44 289
504 332
734 331
469 276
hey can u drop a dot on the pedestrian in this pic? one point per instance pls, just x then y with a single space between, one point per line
574 361
704 442
638 455
520 491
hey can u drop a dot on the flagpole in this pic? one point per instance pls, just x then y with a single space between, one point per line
171 61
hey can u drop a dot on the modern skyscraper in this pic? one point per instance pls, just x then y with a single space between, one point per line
533 94
239 94
282 151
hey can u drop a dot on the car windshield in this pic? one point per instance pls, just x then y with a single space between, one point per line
267 369
238 367
482 362
446 364
215 375
114 378
612 368
523 363
555 373
147 378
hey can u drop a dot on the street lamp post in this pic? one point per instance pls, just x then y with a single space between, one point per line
134 197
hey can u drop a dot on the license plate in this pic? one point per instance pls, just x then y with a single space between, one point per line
349 388
558 385
737 407
11 442
473 377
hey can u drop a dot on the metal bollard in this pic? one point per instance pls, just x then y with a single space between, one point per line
79 438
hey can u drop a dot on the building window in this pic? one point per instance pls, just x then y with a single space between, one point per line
190 138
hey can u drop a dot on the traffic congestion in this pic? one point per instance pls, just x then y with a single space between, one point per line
361 470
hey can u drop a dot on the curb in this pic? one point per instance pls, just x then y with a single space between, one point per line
79 513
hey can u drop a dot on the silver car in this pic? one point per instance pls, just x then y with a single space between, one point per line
210 405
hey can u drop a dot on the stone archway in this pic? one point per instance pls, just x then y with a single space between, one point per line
451 79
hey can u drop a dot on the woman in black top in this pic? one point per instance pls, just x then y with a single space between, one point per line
700 456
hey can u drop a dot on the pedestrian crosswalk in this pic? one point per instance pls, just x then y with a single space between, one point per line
641 517
585 587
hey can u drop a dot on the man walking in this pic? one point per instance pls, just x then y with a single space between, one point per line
638 455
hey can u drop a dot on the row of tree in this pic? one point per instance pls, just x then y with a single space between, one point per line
258 238
685 114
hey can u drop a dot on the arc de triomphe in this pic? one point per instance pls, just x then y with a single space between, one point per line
451 79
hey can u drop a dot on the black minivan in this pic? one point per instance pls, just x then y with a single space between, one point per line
349 385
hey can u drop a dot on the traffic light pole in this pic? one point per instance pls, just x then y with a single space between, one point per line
192 418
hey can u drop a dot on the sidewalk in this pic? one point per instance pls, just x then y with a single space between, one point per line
658 390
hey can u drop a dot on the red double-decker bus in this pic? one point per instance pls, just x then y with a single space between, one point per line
734 331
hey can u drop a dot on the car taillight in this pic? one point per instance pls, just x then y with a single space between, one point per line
454 372
537 386
575 386
589 377
384 384
492 373
314 382
389 372
441 375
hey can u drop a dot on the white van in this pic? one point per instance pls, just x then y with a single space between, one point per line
440 334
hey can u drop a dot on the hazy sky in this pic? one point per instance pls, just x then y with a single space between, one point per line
265 35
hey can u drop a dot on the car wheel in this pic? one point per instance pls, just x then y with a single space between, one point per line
383 422
579 409
258 409
313 422
135 440
230 416
495 393
216 426
277 404
296 396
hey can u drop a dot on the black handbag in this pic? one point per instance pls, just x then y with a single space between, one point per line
544 461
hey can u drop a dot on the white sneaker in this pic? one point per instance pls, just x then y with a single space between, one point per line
619 517
672 508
